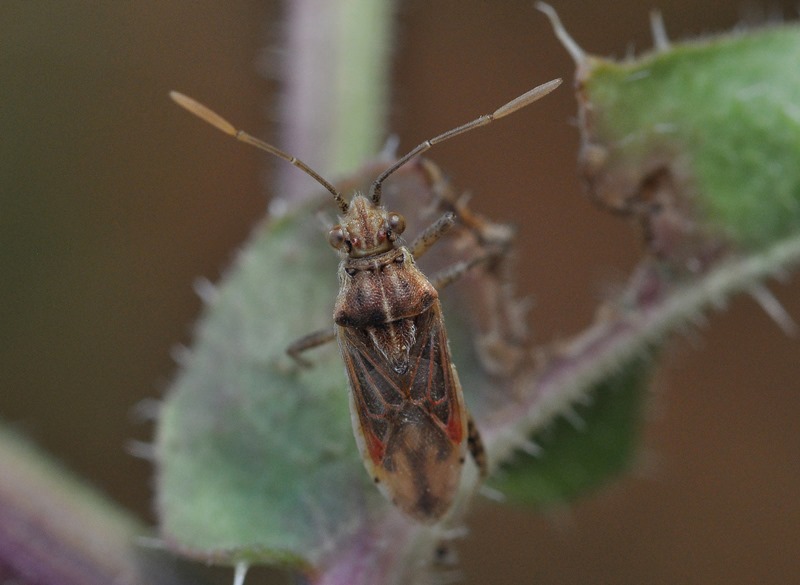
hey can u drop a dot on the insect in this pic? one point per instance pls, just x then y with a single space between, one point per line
409 418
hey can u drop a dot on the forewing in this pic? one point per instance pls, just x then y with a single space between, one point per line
433 383
376 392
410 427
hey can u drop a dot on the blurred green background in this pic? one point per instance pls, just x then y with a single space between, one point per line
113 202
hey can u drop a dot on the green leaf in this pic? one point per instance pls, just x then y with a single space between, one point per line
713 122
700 143
584 449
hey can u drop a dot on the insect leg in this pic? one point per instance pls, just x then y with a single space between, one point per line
487 232
452 273
431 234
503 338
307 342
475 446
502 335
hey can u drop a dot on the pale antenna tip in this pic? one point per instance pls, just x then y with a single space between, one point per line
182 100
527 98
546 88
203 112
578 55
659 31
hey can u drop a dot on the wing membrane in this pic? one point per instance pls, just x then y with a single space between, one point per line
410 426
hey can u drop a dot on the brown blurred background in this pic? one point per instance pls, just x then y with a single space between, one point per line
114 202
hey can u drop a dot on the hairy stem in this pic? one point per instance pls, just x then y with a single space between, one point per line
335 74
55 530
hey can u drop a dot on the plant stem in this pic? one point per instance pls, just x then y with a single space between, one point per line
335 73
55 530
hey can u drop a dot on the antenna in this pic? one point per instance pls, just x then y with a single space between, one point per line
509 108
208 115
222 124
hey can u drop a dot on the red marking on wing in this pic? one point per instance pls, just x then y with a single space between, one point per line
455 427
455 430
375 447
441 389
369 381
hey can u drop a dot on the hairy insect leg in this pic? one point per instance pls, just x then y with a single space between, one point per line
432 234
452 273
475 446
307 342
486 231
503 339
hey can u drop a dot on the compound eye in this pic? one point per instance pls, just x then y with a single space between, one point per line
336 237
397 223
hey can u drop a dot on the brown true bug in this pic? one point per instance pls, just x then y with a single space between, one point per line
409 418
